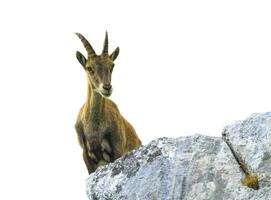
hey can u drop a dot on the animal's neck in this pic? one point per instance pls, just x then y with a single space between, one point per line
94 105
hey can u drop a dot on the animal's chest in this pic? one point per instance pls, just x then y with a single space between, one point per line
99 128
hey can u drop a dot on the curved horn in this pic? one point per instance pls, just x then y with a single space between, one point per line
105 49
86 44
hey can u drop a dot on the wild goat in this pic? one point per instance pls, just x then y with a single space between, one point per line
103 133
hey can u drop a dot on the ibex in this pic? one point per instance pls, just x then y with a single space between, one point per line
103 133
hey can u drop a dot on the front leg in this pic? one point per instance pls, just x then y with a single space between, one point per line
115 142
98 151
91 166
88 161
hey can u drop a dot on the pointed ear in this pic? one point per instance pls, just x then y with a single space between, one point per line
81 58
115 53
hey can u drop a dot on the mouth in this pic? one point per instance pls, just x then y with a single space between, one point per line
106 93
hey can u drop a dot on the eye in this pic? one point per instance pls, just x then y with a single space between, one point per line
90 69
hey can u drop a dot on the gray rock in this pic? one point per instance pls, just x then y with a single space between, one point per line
188 168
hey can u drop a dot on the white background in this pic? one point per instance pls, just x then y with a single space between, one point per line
184 67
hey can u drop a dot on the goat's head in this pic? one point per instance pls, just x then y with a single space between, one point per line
98 67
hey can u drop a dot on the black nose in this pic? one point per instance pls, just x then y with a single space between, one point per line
107 86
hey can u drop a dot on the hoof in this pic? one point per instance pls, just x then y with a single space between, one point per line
106 146
93 157
106 157
102 163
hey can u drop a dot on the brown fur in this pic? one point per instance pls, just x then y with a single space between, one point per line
103 133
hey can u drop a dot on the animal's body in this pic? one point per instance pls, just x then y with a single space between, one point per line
103 133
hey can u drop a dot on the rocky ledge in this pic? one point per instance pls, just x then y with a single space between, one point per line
236 166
